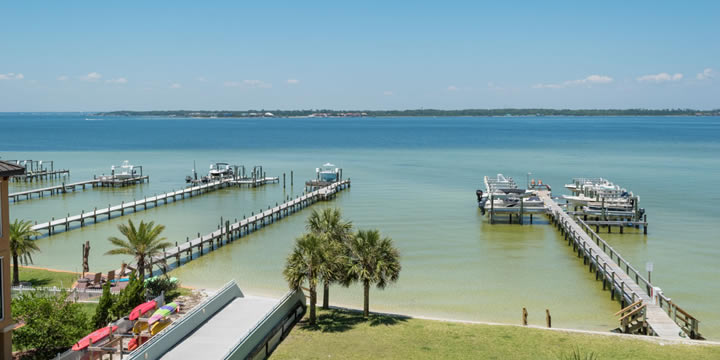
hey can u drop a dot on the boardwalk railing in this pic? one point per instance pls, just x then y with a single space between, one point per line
228 232
687 322
620 283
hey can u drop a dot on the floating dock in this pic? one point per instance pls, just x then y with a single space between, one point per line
228 232
64 188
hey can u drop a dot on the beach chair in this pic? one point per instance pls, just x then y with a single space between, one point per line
97 281
111 277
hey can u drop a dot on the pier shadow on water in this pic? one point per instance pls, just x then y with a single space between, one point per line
341 320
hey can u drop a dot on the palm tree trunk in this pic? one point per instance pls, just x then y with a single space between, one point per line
326 295
366 305
313 300
141 267
16 273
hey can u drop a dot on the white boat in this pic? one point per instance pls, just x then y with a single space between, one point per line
124 171
220 170
328 172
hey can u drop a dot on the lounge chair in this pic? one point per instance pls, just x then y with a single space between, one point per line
97 281
111 277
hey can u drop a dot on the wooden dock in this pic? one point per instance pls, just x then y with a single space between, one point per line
136 205
660 316
228 232
42 175
64 188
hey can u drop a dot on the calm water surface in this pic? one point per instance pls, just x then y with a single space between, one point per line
414 179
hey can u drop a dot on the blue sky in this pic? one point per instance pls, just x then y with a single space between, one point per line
91 55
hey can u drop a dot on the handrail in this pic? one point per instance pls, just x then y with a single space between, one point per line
672 308
628 307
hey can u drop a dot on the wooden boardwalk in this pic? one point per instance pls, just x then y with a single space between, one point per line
136 205
621 279
64 188
229 232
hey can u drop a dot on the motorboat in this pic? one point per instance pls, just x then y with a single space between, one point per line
328 173
124 171
220 170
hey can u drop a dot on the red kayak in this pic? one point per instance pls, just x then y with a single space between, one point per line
133 344
142 309
96 336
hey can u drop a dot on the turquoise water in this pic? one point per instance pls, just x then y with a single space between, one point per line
414 179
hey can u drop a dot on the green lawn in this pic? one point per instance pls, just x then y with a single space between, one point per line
39 277
345 335
88 308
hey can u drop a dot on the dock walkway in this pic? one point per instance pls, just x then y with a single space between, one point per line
135 205
613 275
229 232
64 188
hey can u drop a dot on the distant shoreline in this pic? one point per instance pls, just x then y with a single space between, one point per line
326 113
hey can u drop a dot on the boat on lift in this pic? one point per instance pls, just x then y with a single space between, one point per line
220 170
328 173
124 171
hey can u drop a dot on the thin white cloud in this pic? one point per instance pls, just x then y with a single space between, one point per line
452 88
592 79
293 81
706 74
120 80
11 76
201 79
661 77
63 78
175 86
388 93
257 83
93 76
248 84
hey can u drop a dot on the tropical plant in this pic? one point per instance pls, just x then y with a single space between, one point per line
160 284
50 323
372 260
142 242
21 246
329 224
103 315
305 263
128 298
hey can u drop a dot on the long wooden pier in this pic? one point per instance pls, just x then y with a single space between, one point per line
64 188
136 205
42 175
229 232
621 278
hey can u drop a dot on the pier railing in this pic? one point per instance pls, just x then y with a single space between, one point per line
688 323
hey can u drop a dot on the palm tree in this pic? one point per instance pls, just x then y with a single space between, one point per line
307 261
329 224
142 242
372 260
21 247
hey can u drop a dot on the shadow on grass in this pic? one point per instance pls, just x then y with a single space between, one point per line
340 320
36 282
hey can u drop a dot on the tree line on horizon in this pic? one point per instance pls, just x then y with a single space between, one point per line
421 112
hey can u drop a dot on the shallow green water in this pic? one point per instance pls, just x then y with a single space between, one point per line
455 264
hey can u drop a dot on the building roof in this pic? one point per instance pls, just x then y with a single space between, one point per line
8 169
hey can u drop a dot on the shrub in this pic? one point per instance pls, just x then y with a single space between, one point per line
102 313
130 297
158 284
51 323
